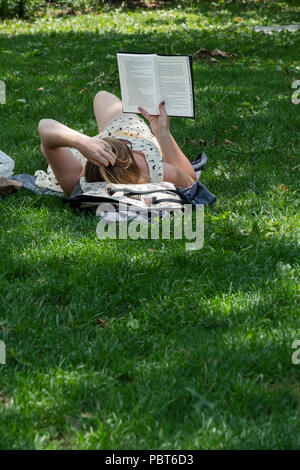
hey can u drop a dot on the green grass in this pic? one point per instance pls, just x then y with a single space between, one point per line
196 348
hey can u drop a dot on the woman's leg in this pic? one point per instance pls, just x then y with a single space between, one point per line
106 107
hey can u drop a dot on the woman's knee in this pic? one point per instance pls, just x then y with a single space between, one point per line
102 95
43 126
104 98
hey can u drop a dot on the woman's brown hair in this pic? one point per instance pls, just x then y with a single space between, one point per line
125 170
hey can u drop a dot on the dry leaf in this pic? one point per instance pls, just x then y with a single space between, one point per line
282 187
101 322
293 157
234 127
83 90
238 18
17 90
226 141
87 416
207 54
218 52
69 86
41 89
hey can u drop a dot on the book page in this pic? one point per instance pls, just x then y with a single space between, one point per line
138 82
175 85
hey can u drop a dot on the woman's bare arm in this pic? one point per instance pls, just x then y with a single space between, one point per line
55 134
173 154
160 126
177 176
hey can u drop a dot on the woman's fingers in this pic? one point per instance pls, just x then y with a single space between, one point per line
103 159
107 154
110 157
144 112
162 108
99 161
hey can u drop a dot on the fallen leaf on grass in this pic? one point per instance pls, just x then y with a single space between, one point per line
229 142
41 89
207 54
282 187
218 52
238 18
293 157
87 416
17 90
101 322
83 90
195 142
234 127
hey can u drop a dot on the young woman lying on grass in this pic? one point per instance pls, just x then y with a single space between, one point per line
124 151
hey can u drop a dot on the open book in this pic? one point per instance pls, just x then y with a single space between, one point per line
147 79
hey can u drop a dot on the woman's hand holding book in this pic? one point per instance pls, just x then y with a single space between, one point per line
159 124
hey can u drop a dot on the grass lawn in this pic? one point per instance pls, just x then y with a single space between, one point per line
196 347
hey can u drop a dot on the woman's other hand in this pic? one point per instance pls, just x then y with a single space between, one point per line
159 124
96 151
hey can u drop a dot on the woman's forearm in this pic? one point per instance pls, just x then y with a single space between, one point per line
173 154
54 134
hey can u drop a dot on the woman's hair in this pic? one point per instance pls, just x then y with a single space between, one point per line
125 170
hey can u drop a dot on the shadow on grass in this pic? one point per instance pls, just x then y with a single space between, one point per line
182 391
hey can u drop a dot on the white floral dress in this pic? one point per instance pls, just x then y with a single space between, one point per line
128 126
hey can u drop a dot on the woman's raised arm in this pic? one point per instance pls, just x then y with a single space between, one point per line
55 134
170 149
